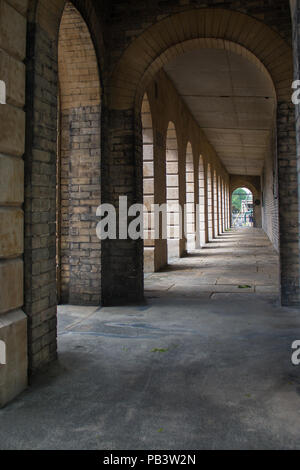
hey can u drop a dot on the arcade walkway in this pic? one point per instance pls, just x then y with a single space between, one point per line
205 364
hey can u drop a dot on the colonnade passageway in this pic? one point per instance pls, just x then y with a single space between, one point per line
149 235
175 372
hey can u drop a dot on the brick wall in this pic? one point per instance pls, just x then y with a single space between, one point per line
40 197
128 19
80 248
269 184
292 179
79 155
288 203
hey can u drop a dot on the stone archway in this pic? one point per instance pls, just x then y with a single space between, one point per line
241 33
209 28
254 185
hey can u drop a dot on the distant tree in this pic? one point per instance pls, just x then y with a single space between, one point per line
238 196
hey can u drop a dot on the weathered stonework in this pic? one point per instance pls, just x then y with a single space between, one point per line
289 165
80 251
40 197
13 322
13 374
79 155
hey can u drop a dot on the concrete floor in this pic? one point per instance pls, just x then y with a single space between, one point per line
206 364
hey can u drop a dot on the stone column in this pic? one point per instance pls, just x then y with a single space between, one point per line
122 175
288 121
215 205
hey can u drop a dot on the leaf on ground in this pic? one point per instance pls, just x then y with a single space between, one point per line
160 430
159 350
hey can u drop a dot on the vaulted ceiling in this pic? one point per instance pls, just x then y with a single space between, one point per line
233 102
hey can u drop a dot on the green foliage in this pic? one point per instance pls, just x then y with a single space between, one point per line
238 196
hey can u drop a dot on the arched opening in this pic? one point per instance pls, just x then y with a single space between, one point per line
228 206
173 208
210 202
227 203
215 205
227 215
242 208
78 163
227 220
148 177
220 199
190 200
224 205
202 203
